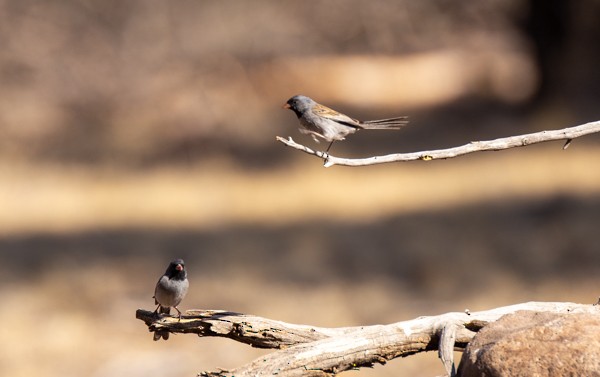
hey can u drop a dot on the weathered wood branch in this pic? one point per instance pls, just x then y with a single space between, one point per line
256 331
567 134
316 351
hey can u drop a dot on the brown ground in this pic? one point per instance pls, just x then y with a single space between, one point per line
397 242
135 132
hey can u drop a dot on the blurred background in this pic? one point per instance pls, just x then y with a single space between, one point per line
135 132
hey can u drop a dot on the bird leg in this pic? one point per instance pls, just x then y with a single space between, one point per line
330 144
178 311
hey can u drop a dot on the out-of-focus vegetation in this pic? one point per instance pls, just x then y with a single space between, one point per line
133 132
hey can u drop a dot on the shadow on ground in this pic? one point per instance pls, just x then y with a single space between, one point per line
429 253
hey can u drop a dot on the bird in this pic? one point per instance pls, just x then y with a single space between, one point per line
170 290
320 121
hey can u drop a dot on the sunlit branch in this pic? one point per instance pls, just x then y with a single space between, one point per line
567 134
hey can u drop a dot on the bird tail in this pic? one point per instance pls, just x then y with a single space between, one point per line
162 334
381 124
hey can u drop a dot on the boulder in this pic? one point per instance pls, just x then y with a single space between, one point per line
535 344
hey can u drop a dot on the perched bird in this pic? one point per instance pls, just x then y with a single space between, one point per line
322 122
170 289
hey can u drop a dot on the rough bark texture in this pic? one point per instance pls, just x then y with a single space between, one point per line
315 351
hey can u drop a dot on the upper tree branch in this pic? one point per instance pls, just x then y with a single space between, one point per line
475 146
315 351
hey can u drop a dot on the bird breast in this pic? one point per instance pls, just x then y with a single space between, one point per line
170 292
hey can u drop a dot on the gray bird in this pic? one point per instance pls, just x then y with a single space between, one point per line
170 289
322 122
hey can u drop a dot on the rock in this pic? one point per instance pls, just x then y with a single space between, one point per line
535 344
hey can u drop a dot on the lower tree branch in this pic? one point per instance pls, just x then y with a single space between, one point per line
253 330
567 134
315 351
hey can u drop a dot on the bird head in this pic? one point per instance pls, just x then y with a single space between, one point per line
176 269
299 104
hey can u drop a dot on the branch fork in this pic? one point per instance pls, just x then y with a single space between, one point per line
303 350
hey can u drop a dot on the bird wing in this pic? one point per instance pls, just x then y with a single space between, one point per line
156 288
331 114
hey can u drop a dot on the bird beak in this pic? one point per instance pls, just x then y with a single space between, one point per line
286 106
179 267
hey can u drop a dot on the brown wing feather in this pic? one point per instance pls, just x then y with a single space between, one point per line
331 114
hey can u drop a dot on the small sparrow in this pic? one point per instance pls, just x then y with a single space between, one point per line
170 289
322 122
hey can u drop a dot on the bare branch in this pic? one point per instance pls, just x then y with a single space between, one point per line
256 331
314 351
446 346
476 146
